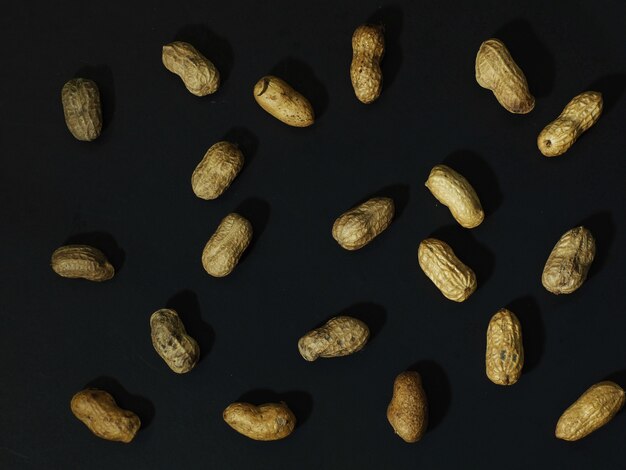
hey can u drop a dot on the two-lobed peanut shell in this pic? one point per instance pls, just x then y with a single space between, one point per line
223 250
368 48
217 170
582 112
497 71
593 409
360 225
81 262
569 262
408 410
99 412
339 336
280 100
456 193
455 280
198 73
171 341
82 110
504 357
267 422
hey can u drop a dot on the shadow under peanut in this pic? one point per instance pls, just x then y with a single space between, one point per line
187 306
437 388
102 75
390 18
527 311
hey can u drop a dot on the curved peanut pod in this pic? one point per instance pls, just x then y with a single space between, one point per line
197 72
223 250
497 71
280 100
217 170
457 194
268 422
582 112
569 262
455 280
81 261
171 341
82 110
360 225
504 358
340 336
99 412
595 408
368 48
408 410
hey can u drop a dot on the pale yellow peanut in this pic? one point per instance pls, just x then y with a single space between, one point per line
217 170
504 357
223 250
81 262
280 100
360 225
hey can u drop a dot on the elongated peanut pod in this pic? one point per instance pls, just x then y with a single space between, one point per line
197 72
267 422
360 225
81 261
217 170
504 358
223 250
408 410
340 336
368 48
171 341
82 110
280 100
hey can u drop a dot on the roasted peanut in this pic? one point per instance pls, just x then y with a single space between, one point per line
454 191
593 409
361 224
408 410
496 71
268 422
219 167
454 279
368 48
582 112
99 412
197 72
570 260
340 336
81 106
171 341
223 250
505 352
279 99
81 261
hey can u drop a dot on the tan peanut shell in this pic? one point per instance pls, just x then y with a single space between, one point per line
504 358
197 72
496 71
457 194
217 170
280 100
267 422
99 412
223 250
595 408
569 262
171 341
455 280
408 410
582 112
360 225
81 261
368 48
81 106
340 336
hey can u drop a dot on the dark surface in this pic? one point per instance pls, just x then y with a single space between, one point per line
129 193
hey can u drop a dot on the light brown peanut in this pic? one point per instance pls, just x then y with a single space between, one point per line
504 358
360 225
197 72
171 341
569 262
340 336
455 280
457 194
217 170
496 71
81 261
99 412
593 409
280 100
267 422
223 250
368 48
408 410
81 106
582 112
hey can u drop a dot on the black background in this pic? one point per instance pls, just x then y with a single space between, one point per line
129 194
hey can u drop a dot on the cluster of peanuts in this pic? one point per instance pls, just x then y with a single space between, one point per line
565 270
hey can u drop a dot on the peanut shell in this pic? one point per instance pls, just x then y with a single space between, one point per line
368 48
360 225
82 110
197 72
81 261
223 250
217 170
280 100
408 410
267 422
340 336
504 358
171 341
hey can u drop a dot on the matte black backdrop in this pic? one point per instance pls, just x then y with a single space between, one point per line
129 193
